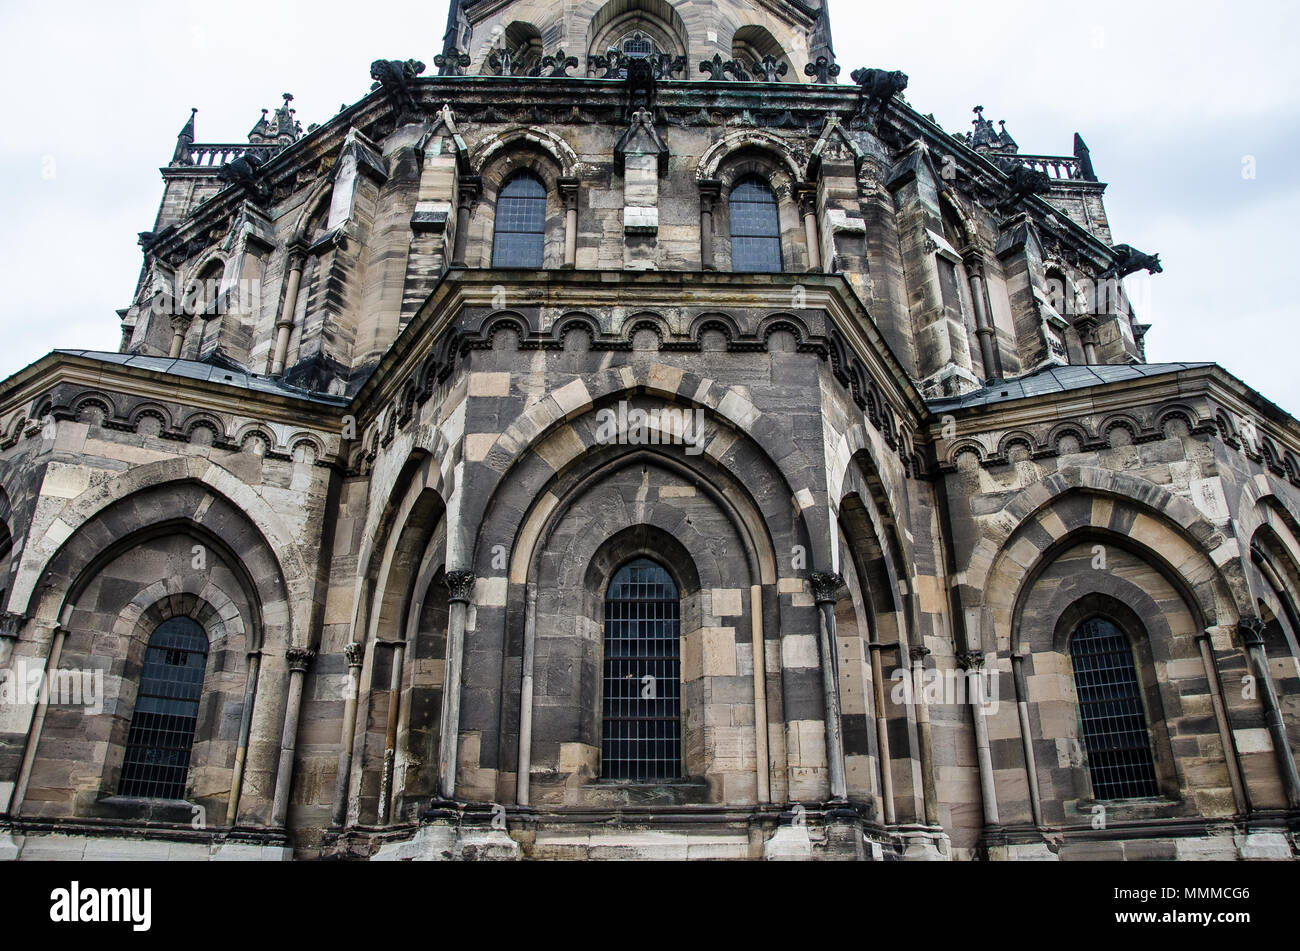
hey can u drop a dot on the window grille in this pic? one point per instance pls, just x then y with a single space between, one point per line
755 227
638 46
1110 706
520 224
642 735
158 745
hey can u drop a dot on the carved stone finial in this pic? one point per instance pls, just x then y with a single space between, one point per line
354 652
826 586
183 142
823 70
460 585
608 66
554 66
451 62
299 658
770 69
502 61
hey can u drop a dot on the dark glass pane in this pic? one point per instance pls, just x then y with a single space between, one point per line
520 224
642 735
1110 708
158 744
755 227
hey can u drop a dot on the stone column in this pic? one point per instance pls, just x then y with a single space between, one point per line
524 770
1252 635
826 588
245 728
354 653
984 330
298 660
180 323
924 737
569 194
973 663
1088 337
806 195
467 192
284 323
710 192
461 586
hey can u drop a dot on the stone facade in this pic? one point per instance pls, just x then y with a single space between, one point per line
889 480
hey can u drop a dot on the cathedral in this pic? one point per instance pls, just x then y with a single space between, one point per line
636 435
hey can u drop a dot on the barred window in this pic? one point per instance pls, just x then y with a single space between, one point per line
638 46
755 227
520 223
1115 733
642 736
158 745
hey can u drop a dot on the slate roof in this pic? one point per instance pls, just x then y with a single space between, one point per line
1058 379
207 372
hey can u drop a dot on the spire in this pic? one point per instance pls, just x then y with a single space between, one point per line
183 142
287 129
1084 156
984 138
260 132
1005 142
821 36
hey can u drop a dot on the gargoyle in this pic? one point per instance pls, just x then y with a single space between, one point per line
1026 181
1129 260
245 171
879 85
394 77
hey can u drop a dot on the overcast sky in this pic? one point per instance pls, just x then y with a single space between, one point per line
1190 109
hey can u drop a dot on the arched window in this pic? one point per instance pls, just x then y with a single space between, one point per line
755 227
158 745
642 721
1115 733
520 223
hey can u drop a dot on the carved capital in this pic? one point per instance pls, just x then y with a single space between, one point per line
919 654
354 652
461 585
299 659
710 192
1251 631
971 660
11 624
826 586
805 193
569 192
467 191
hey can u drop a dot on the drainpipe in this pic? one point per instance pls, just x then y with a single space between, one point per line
825 589
923 732
710 192
38 722
284 324
1252 635
461 585
298 659
882 733
526 697
569 193
390 733
1026 737
354 653
245 728
761 754
1206 643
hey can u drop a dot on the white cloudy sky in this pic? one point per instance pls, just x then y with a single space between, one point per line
1171 97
